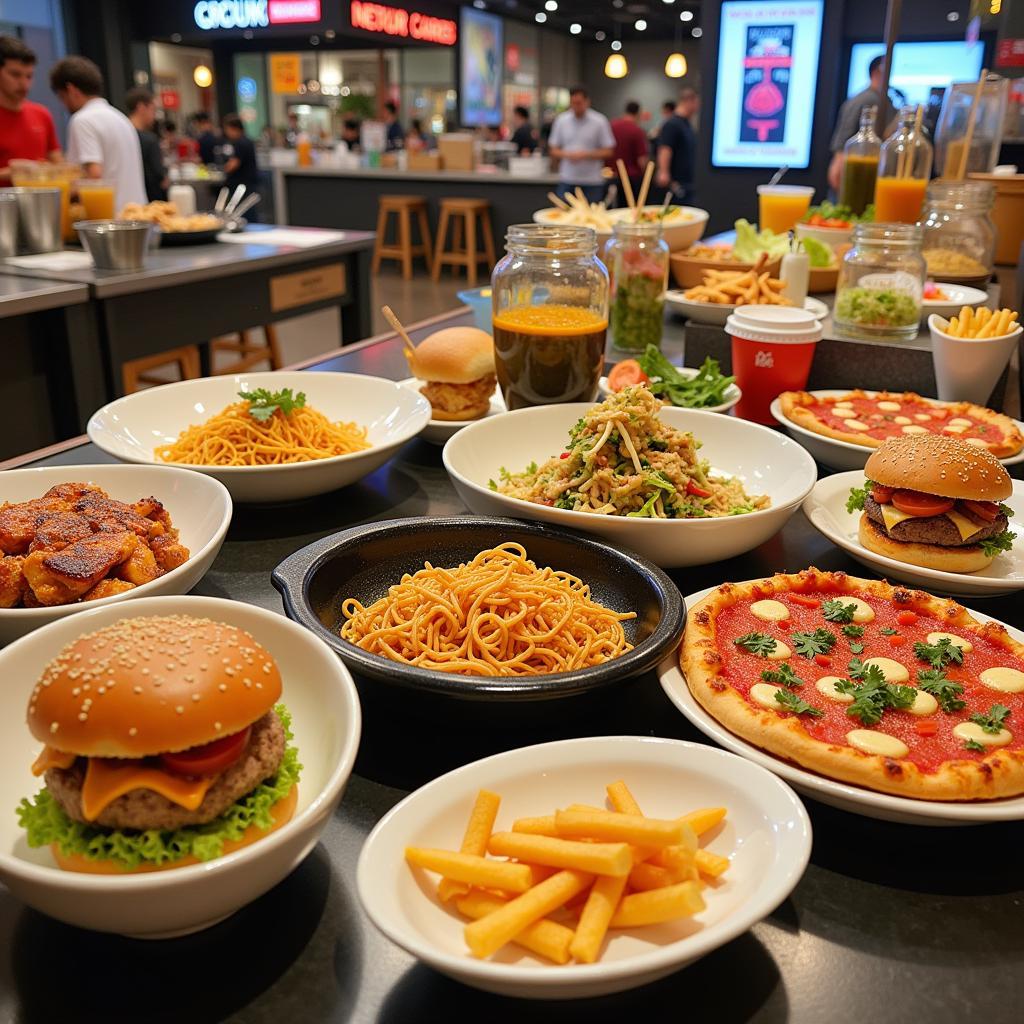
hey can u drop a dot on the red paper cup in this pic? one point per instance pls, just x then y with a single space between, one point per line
772 352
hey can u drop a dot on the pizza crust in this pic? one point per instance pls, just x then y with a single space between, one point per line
796 405
999 774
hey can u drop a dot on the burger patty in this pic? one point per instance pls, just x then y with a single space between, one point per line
453 398
142 808
935 529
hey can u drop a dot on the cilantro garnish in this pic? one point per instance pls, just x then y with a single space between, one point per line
889 631
946 691
858 495
757 643
858 670
263 403
874 696
791 702
835 611
940 654
991 546
854 632
994 721
783 675
973 745
821 641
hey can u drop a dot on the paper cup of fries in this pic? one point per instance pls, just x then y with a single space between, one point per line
970 352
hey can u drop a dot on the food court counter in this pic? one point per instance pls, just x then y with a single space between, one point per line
890 922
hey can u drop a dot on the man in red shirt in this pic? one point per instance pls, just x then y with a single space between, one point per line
630 147
26 128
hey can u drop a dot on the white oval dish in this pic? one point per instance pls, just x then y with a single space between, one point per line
732 393
438 431
825 507
679 231
716 313
765 461
326 722
199 507
130 428
766 835
959 296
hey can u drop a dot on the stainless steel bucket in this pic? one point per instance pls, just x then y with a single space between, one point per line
115 244
39 213
8 223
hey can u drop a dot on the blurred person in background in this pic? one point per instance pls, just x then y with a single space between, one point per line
524 137
240 153
350 135
668 108
26 128
677 149
848 121
140 104
581 140
100 138
207 139
630 147
396 133
415 140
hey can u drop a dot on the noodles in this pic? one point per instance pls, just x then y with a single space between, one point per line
264 430
621 460
498 615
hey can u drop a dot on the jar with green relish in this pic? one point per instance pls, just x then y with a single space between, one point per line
637 261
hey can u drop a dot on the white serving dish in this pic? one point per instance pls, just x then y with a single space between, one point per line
130 428
838 454
761 457
679 231
716 313
438 431
319 693
732 393
847 797
553 216
766 834
827 236
959 296
199 507
825 507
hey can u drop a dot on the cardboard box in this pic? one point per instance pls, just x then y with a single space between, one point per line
424 162
456 151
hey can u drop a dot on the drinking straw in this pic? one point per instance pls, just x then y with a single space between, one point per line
908 167
971 117
627 188
644 189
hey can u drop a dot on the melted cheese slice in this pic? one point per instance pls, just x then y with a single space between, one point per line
781 652
769 611
973 731
959 421
922 417
889 406
924 704
901 420
966 527
856 425
49 757
952 428
764 694
827 686
870 741
844 413
892 516
893 671
1005 680
106 780
956 641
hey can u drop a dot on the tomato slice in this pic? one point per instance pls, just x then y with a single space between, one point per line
896 640
883 495
807 602
926 727
917 503
210 758
987 510
626 374
906 617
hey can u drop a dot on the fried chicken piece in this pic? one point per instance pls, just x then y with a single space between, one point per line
56 530
12 581
18 524
140 566
60 577
105 514
69 493
168 551
107 588
153 509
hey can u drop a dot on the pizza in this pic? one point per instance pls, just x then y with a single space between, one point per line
857 680
860 417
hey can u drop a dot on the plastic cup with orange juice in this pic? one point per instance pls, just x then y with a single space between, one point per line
97 196
780 207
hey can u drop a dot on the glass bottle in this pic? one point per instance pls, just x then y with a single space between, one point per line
959 236
904 166
550 301
860 165
637 260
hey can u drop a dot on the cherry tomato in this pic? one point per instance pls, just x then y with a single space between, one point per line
696 491
926 727
906 618
625 374
210 758
917 503
807 602
823 660
896 640
883 495
987 510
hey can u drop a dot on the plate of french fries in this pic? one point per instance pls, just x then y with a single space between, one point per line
977 324
582 867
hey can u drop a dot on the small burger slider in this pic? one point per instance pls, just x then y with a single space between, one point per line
162 747
934 501
457 365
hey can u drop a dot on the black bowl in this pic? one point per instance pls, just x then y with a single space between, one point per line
363 562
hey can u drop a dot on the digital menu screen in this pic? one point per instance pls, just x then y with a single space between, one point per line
767 76
482 51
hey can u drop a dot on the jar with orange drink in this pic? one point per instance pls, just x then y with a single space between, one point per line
904 167
96 197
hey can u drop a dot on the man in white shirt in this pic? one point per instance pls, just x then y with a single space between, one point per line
100 138
582 140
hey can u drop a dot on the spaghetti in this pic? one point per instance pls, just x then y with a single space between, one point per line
498 615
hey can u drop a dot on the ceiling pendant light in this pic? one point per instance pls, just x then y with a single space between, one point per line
202 76
675 66
615 66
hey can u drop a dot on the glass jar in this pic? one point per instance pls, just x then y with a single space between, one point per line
951 131
860 165
959 236
878 294
904 167
550 301
637 260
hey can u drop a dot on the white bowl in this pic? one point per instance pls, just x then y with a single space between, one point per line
717 313
764 460
959 296
130 428
438 431
560 218
199 507
825 507
321 697
766 834
732 393
678 231
827 236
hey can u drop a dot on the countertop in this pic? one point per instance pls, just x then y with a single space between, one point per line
496 177
21 295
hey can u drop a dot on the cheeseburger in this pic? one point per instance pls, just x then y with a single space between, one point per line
934 501
457 365
162 746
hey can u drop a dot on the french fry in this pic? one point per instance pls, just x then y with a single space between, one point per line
710 864
545 938
465 867
658 905
595 858
981 323
622 799
542 826
474 840
597 913
645 876
615 827
488 934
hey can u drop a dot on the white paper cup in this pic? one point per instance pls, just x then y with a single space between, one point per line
968 369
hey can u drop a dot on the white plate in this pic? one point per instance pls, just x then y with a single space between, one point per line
321 697
837 454
714 313
766 834
679 231
732 393
846 797
763 459
825 507
438 431
199 507
553 216
959 296
131 427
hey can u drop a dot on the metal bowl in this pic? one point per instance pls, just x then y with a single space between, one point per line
115 244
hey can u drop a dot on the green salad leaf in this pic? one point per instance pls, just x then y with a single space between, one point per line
819 254
750 243
992 546
706 389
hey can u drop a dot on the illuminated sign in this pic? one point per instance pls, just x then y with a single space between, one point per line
394 21
214 14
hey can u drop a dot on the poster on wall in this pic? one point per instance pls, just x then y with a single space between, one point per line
482 51
767 76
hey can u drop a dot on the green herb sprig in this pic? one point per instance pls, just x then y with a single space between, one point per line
263 403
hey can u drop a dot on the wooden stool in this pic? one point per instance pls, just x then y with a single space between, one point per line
249 353
135 372
463 215
403 207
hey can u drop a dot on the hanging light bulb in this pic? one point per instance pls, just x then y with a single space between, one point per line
675 66
615 66
202 76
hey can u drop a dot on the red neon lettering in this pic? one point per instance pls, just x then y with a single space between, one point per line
393 21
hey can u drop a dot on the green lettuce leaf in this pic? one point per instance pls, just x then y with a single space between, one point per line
46 822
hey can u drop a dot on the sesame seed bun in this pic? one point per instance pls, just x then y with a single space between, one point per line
969 558
456 355
939 465
151 686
